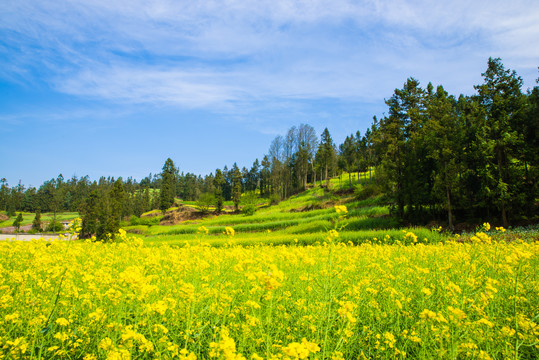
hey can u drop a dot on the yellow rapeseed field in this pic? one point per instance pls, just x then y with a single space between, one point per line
76 300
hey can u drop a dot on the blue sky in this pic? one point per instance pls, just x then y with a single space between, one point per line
113 88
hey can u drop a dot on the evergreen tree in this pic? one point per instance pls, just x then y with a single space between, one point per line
168 189
443 134
236 186
218 182
117 199
4 194
265 177
90 212
36 223
501 97
394 142
18 221
347 156
326 153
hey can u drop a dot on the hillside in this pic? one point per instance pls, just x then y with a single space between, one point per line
304 218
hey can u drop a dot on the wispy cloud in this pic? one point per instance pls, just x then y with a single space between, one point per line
213 53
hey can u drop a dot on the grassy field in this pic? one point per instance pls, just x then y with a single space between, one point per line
303 218
45 218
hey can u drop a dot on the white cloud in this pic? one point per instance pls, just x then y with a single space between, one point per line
213 53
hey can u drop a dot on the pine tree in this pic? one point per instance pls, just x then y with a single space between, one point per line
348 156
443 135
18 221
396 140
90 212
169 178
501 97
36 223
236 186
117 199
326 154
218 182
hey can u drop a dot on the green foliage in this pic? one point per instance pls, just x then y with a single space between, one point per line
249 201
54 226
205 202
147 220
18 221
236 186
168 185
249 210
274 199
363 192
218 183
36 223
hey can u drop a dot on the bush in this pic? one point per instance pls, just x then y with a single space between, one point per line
55 226
249 200
205 202
147 220
248 209
365 192
274 199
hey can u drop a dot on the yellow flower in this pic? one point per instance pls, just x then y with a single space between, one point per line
106 344
426 291
300 350
341 209
62 322
332 235
203 230
229 231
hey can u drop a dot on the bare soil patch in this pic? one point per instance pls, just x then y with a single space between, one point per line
183 213
11 229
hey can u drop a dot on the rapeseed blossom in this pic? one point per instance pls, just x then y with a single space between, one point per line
341 209
118 301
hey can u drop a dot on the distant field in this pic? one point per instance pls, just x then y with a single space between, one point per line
303 217
45 218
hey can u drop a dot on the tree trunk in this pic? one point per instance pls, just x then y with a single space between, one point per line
326 173
449 212
500 172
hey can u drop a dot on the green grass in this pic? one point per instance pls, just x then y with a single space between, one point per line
319 236
45 218
306 216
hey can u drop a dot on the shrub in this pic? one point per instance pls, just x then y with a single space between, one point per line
249 200
205 202
363 192
274 199
248 209
54 226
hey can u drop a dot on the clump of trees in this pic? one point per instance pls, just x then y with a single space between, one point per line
470 156
434 155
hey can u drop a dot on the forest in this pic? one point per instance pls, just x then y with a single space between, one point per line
434 156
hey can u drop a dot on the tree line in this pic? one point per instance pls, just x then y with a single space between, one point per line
433 156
